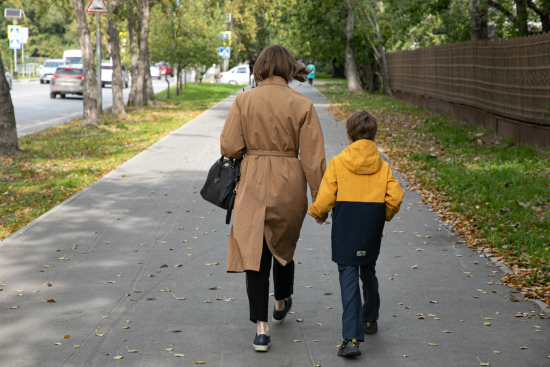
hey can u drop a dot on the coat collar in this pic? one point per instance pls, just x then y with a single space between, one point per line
274 80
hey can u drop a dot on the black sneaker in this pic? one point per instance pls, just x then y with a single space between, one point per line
262 343
370 327
280 316
349 348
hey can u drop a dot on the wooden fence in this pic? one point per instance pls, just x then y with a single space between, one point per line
501 84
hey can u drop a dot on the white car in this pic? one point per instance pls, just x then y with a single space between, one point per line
8 79
238 75
107 75
155 71
47 70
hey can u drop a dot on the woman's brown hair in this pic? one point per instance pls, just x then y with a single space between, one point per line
361 125
277 61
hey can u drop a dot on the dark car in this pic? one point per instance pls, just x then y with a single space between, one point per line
67 80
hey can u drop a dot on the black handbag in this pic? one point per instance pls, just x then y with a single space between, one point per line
220 187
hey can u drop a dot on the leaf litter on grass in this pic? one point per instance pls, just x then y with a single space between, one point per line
495 195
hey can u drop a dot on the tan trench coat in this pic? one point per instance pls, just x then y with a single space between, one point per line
270 124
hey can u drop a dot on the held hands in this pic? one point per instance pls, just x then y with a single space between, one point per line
322 219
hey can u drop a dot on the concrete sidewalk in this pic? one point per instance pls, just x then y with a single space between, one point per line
131 272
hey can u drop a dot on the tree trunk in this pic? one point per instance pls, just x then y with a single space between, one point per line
90 80
374 86
144 59
386 71
136 94
478 10
351 67
167 82
118 98
177 81
8 128
522 17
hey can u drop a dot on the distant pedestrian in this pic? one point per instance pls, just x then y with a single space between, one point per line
311 74
268 126
361 189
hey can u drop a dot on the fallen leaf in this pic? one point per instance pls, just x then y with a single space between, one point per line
212 288
118 357
435 302
200 362
525 347
297 340
414 267
178 266
327 293
447 331
432 344
404 356
51 300
99 334
56 343
66 336
299 320
178 355
169 349
487 323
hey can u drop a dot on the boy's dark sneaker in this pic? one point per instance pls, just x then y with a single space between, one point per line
262 343
370 327
349 348
280 316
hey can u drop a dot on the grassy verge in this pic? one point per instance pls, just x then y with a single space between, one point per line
57 163
496 194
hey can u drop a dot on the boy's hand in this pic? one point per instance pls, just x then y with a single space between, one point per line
322 219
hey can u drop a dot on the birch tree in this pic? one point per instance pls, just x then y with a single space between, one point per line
8 127
90 113
117 82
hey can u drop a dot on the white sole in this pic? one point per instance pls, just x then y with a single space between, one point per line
261 348
281 321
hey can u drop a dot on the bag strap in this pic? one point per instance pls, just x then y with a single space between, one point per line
230 210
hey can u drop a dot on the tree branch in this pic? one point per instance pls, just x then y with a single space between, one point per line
497 5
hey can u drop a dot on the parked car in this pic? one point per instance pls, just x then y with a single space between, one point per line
67 80
238 75
8 78
165 68
155 71
47 70
107 75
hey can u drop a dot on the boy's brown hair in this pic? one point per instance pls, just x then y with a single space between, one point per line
361 125
276 60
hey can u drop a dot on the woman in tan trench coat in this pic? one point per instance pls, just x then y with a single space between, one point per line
270 126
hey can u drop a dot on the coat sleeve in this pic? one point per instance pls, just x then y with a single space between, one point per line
312 151
326 198
232 140
394 196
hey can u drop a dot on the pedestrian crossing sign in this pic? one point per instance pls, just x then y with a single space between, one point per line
15 44
14 32
225 52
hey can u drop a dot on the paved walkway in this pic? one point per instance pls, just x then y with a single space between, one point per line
131 272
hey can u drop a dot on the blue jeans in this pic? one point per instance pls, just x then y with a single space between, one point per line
354 313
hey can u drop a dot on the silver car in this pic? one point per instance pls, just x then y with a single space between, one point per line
107 75
47 70
8 78
67 80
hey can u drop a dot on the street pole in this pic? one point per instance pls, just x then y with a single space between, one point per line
15 56
98 68
23 57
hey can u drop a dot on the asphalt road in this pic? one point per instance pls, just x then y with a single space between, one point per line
36 111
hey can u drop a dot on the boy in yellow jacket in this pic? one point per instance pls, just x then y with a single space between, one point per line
361 189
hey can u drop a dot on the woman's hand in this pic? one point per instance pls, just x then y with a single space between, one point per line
322 219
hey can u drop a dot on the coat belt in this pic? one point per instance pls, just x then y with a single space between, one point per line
272 153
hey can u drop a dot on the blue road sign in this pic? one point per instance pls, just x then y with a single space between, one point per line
15 44
225 52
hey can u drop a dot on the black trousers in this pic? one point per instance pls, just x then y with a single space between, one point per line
257 284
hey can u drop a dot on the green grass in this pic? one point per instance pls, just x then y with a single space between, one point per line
326 77
56 163
501 190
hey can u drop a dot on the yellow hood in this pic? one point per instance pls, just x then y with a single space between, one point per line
361 157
